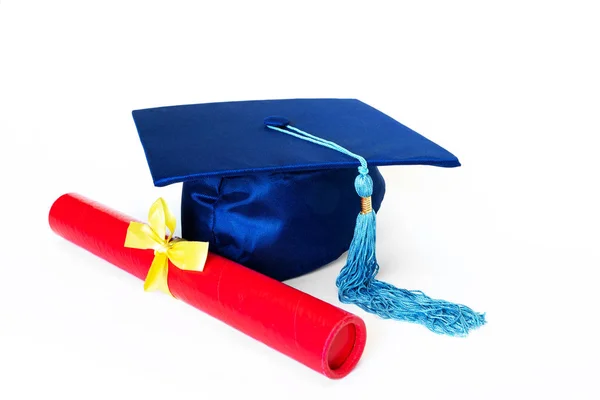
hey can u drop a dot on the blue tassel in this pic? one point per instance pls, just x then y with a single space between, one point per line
356 282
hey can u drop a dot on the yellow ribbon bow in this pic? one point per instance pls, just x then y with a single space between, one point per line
189 256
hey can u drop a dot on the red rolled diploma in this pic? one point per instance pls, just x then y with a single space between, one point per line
319 335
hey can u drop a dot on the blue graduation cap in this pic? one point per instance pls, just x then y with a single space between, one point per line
287 186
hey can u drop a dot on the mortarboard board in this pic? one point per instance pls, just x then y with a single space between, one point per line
284 206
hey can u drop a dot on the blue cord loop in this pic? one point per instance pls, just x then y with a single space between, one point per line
356 282
363 182
363 185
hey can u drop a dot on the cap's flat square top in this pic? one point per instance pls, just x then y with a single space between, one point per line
186 142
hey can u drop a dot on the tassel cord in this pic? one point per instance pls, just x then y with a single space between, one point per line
357 284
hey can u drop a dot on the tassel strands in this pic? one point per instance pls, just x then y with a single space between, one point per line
357 284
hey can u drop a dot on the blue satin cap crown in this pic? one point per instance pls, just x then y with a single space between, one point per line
279 205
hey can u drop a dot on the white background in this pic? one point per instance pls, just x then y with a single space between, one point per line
512 89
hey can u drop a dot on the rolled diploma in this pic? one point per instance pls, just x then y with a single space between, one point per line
319 335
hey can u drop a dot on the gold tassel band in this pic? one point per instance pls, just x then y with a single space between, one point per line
365 205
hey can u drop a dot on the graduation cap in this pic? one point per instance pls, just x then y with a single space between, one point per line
287 186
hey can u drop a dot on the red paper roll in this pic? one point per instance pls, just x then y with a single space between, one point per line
313 332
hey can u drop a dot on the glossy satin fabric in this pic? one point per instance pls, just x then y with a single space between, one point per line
267 200
282 224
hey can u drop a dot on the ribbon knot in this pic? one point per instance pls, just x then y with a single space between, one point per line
186 255
162 249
